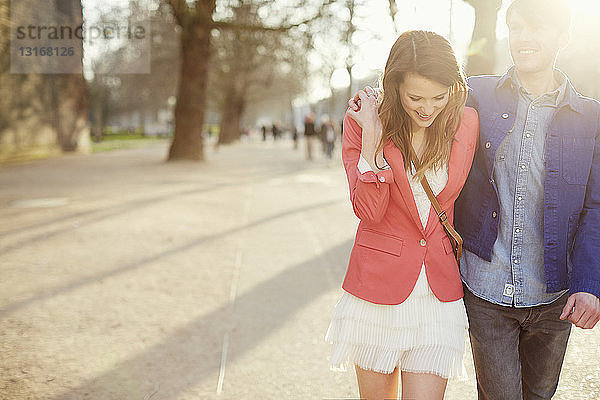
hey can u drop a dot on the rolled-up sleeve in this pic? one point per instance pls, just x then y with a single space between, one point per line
369 191
363 165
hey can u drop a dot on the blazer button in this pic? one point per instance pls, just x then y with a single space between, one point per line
423 242
381 179
488 145
505 115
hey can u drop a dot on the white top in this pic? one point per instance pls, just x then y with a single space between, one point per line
437 180
363 165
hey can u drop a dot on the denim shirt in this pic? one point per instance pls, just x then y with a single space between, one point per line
571 189
515 275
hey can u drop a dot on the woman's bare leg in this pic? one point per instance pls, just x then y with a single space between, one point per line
422 386
375 385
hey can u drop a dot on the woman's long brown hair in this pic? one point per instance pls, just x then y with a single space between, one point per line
431 56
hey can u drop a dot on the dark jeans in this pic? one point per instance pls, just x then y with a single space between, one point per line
518 352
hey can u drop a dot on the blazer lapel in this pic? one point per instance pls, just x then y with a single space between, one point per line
456 165
396 161
455 172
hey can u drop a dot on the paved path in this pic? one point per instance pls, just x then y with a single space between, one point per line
124 277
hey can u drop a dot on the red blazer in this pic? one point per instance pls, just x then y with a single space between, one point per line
390 244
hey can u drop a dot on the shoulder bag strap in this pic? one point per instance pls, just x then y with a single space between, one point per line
438 209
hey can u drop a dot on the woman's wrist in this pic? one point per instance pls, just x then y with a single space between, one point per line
370 140
370 157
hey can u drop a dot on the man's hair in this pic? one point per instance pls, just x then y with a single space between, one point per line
555 13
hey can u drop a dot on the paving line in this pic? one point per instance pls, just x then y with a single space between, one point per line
235 277
223 362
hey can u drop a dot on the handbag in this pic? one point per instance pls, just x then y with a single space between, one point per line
455 239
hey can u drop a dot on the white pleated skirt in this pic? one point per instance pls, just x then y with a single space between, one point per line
421 335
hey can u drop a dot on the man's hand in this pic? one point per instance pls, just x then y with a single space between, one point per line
582 309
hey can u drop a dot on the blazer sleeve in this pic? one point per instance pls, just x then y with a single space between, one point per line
369 191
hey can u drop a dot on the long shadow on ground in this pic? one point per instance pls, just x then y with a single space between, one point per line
189 356
62 289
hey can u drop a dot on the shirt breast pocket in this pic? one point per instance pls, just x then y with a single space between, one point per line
576 158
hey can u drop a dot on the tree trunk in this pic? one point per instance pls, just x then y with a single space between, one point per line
191 103
69 92
70 109
349 90
231 116
350 29
331 102
482 53
393 10
98 98
98 124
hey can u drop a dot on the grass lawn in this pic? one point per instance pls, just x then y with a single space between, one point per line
125 141
113 141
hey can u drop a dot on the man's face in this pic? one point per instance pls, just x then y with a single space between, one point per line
533 46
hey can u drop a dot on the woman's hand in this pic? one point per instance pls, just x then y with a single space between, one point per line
368 119
354 102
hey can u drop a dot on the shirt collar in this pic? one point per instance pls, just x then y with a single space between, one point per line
566 94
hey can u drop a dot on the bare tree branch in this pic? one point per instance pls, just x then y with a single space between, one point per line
263 28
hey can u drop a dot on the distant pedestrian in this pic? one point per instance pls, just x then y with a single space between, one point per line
309 134
295 136
264 133
329 136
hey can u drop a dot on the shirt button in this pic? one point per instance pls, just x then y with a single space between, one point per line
505 115
519 198
381 179
517 230
523 167
423 242
528 135
516 261
491 180
488 145
533 106
494 214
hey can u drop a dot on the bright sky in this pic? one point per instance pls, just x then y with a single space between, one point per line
452 18
422 14
412 14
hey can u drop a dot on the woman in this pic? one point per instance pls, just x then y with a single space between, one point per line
402 305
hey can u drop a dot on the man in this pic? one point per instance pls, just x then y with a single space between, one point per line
309 133
529 213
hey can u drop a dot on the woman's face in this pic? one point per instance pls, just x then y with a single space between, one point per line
422 99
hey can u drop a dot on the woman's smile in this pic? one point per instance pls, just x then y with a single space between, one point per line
424 117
